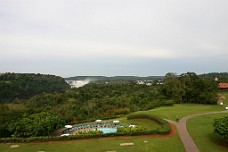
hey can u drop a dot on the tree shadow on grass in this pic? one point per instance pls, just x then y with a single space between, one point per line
216 139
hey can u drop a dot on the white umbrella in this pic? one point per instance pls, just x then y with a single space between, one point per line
68 126
98 120
116 121
132 126
65 134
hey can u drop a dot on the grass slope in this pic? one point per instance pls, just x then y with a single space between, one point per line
145 123
201 130
154 144
182 110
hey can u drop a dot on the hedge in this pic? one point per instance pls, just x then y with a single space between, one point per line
156 104
165 129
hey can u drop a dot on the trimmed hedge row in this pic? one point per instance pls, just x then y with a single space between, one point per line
58 138
165 129
155 104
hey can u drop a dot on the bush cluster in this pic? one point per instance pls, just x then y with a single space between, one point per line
159 103
221 126
165 129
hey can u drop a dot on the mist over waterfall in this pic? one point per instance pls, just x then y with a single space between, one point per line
78 83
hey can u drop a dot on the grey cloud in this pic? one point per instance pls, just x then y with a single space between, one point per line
108 37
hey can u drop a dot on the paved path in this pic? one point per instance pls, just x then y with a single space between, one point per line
189 144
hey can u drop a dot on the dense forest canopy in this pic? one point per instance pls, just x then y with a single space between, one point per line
94 100
221 76
23 86
190 88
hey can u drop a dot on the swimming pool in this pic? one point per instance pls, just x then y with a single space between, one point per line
107 130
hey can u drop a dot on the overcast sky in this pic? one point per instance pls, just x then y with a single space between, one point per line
113 37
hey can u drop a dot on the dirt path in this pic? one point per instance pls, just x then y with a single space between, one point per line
187 140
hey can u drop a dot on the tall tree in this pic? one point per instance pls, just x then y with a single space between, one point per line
38 124
189 88
172 88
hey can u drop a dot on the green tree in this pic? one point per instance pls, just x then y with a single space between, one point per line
172 88
7 116
38 124
24 86
198 90
221 127
189 88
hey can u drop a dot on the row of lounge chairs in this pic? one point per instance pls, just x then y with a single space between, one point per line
87 126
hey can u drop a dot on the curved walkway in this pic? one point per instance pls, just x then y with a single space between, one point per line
187 140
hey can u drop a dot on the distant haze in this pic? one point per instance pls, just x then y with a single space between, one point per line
78 83
81 83
113 37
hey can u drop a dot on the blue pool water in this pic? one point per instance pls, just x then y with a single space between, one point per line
107 130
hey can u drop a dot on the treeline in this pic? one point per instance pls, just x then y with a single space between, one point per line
116 78
23 86
190 88
101 101
221 76
91 102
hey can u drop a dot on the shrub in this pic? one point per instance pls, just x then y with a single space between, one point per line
131 129
93 132
159 103
221 127
165 129
122 111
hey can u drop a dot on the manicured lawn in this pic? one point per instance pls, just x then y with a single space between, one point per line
201 130
145 123
153 144
182 110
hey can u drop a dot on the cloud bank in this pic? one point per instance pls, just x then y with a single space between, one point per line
131 37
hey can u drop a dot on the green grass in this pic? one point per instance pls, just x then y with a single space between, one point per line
182 110
145 123
201 130
154 144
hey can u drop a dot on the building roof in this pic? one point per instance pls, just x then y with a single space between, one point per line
223 85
